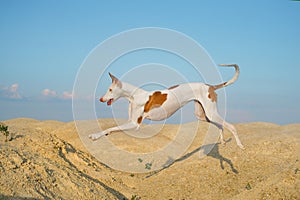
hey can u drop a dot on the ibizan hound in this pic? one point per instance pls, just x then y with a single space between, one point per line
159 105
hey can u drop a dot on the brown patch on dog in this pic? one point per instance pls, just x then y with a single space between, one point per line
155 100
140 120
212 94
174 86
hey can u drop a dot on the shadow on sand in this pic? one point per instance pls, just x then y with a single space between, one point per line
211 150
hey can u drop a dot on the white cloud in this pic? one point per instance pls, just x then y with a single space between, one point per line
67 95
49 93
52 94
10 92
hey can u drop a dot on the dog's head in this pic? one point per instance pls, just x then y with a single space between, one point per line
114 91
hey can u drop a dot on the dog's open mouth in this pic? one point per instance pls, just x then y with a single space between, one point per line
109 102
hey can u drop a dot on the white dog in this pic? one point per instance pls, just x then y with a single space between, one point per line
159 105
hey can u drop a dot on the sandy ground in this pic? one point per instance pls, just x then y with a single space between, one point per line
47 160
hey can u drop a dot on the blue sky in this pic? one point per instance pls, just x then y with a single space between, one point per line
43 44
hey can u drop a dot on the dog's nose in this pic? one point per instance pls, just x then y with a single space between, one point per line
102 100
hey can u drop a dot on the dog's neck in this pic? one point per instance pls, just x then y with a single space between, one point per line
130 90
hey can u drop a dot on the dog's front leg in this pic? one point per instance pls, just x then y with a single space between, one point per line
127 126
124 127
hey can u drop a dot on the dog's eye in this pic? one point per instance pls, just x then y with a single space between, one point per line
110 90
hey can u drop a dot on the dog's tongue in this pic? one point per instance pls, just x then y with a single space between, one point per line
109 102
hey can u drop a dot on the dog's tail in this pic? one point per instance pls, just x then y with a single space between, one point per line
231 81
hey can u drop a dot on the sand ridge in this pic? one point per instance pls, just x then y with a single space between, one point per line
47 160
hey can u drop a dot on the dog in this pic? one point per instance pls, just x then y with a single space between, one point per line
159 105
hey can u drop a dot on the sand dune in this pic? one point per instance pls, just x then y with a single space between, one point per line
46 159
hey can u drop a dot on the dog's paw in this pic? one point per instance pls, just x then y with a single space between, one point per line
241 146
95 136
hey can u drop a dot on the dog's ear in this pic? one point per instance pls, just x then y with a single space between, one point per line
115 80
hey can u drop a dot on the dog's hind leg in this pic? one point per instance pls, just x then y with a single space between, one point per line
215 118
232 129
200 112
201 115
220 123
